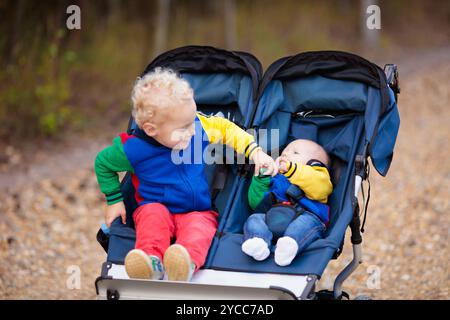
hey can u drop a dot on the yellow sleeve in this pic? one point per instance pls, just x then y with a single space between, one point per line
315 181
221 130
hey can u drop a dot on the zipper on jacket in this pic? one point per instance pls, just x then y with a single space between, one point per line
185 178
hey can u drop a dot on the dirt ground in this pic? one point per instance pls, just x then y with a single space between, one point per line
50 209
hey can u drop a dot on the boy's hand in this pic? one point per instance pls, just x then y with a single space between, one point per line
115 210
263 160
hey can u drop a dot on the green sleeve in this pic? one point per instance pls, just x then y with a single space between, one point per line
108 163
258 187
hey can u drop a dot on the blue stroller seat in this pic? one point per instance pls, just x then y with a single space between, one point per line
340 100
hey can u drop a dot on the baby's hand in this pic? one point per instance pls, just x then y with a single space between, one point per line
113 211
263 160
281 164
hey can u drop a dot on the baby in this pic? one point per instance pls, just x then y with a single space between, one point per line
173 198
291 206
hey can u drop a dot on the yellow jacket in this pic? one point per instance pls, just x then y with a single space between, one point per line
222 130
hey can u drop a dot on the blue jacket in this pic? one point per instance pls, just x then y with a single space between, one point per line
180 185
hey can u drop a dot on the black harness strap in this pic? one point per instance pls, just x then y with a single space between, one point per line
218 183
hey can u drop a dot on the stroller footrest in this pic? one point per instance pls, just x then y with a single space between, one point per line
206 284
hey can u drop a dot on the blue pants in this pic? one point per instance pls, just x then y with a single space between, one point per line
304 229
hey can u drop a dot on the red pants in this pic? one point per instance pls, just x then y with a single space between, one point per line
155 226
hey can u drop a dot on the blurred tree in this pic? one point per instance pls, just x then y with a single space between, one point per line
161 27
14 35
370 37
229 9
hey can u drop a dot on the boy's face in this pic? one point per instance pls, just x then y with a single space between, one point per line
174 126
301 151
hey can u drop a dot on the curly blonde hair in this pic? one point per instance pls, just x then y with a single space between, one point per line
159 89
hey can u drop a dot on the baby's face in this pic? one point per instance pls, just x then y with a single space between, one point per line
174 126
301 151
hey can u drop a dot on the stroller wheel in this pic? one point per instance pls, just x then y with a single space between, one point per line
329 295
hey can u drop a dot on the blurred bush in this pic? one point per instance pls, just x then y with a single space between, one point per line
36 89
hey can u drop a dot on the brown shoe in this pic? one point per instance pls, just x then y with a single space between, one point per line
139 265
178 263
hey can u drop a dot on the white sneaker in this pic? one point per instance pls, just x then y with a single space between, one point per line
256 248
285 251
178 263
139 265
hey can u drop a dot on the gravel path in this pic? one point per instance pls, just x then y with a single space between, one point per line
50 212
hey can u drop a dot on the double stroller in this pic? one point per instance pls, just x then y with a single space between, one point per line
340 100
